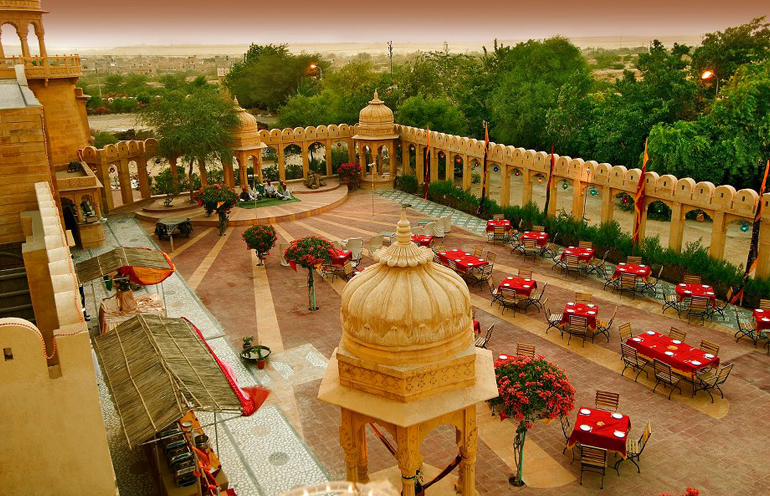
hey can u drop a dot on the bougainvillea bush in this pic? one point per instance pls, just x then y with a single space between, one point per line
530 389
690 491
216 198
350 172
309 252
260 238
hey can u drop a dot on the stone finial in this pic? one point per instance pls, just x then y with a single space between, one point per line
404 253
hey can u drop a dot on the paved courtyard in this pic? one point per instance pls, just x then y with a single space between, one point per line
717 447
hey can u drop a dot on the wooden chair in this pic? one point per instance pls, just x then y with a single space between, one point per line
558 260
348 271
531 248
453 265
554 319
493 290
720 306
675 333
535 301
604 326
607 400
634 260
498 216
599 266
664 375
635 448
627 283
509 299
478 251
526 274
551 250
709 347
583 297
479 275
577 326
631 359
538 228
699 307
708 380
586 245
491 257
671 301
437 247
524 349
498 234
625 332
651 284
482 340
746 328
594 460
690 279
764 304
572 264
567 431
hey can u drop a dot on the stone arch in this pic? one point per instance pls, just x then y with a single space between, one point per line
458 164
340 152
316 156
292 153
9 34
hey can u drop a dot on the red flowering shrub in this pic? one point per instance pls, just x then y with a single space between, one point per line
215 197
531 389
690 491
350 172
260 238
309 251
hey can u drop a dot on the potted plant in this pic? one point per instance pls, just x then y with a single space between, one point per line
258 354
260 238
247 342
530 389
309 252
350 173
219 199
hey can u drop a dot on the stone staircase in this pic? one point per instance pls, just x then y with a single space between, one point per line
15 300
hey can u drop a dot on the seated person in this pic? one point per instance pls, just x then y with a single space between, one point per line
283 191
270 191
245 196
254 194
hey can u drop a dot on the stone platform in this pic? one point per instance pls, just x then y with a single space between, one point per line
312 202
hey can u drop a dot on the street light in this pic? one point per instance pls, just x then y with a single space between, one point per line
320 71
708 74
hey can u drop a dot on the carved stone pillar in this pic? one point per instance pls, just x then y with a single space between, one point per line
467 174
363 456
467 442
41 40
349 443
505 186
328 150
718 235
281 161
23 31
676 228
103 173
420 163
2 53
577 199
450 166
305 160
124 176
608 204
526 186
409 457
433 164
144 179
406 166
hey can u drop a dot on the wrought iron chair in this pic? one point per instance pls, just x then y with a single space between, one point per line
609 278
664 375
671 301
509 299
483 340
594 460
551 249
709 347
531 248
720 306
493 290
631 359
567 431
604 326
627 283
699 307
625 332
572 264
634 260
524 349
678 334
553 319
586 245
635 448
479 275
690 279
747 328
535 301
577 326
598 266
607 400
581 297
559 261
708 380
651 284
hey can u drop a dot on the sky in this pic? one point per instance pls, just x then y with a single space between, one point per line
101 24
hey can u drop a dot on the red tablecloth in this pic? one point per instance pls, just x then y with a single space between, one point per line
642 271
464 261
655 345
491 224
688 290
422 239
339 257
587 310
763 319
521 285
601 436
540 237
476 327
583 254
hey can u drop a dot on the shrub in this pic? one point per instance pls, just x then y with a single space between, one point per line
407 184
104 138
294 171
350 172
260 238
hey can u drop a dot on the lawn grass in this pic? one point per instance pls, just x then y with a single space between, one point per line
265 202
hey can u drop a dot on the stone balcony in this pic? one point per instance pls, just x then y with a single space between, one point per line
53 67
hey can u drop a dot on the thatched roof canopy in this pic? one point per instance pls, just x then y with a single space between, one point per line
109 262
158 369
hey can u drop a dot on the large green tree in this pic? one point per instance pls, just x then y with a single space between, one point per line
196 126
437 113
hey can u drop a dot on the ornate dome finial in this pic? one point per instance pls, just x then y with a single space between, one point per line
403 253
235 99
376 97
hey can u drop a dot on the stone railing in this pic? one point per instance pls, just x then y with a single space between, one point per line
58 66
306 134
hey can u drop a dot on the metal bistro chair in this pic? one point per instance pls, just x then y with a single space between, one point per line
634 260
523 349
721 305
525 274
709 347
651 284
538 228
586 245
535 301
671 301
553 319
567 431
531 248
609 278
493 290
483 340
572 264
498 234
664 375
577 326
594 460
747 328
491 257
582 297
479 275
764 304
607 400
478 251
708 380
631 359
604 326
699 307
627 283
690 279
551 250
509 299
679 334
598 266
625 332
559 261
635 448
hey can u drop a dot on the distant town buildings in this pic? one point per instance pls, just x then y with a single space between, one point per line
152 65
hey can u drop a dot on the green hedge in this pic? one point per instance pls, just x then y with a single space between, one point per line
693 259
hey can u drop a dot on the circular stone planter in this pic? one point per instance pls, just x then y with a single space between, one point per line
257 354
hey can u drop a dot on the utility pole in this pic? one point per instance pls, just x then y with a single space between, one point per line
390 55
446 48
98 81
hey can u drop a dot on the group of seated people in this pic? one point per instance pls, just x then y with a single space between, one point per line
266 190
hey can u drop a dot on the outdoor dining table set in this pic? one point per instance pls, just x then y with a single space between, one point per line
461 261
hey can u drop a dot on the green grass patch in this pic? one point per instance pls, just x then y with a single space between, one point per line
266 202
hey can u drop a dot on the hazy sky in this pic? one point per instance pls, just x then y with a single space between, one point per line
100 23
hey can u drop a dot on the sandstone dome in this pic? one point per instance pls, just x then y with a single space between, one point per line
405 309
246 137
375 121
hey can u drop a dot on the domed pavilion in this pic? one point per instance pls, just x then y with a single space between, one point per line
375 132
407 360
246 143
